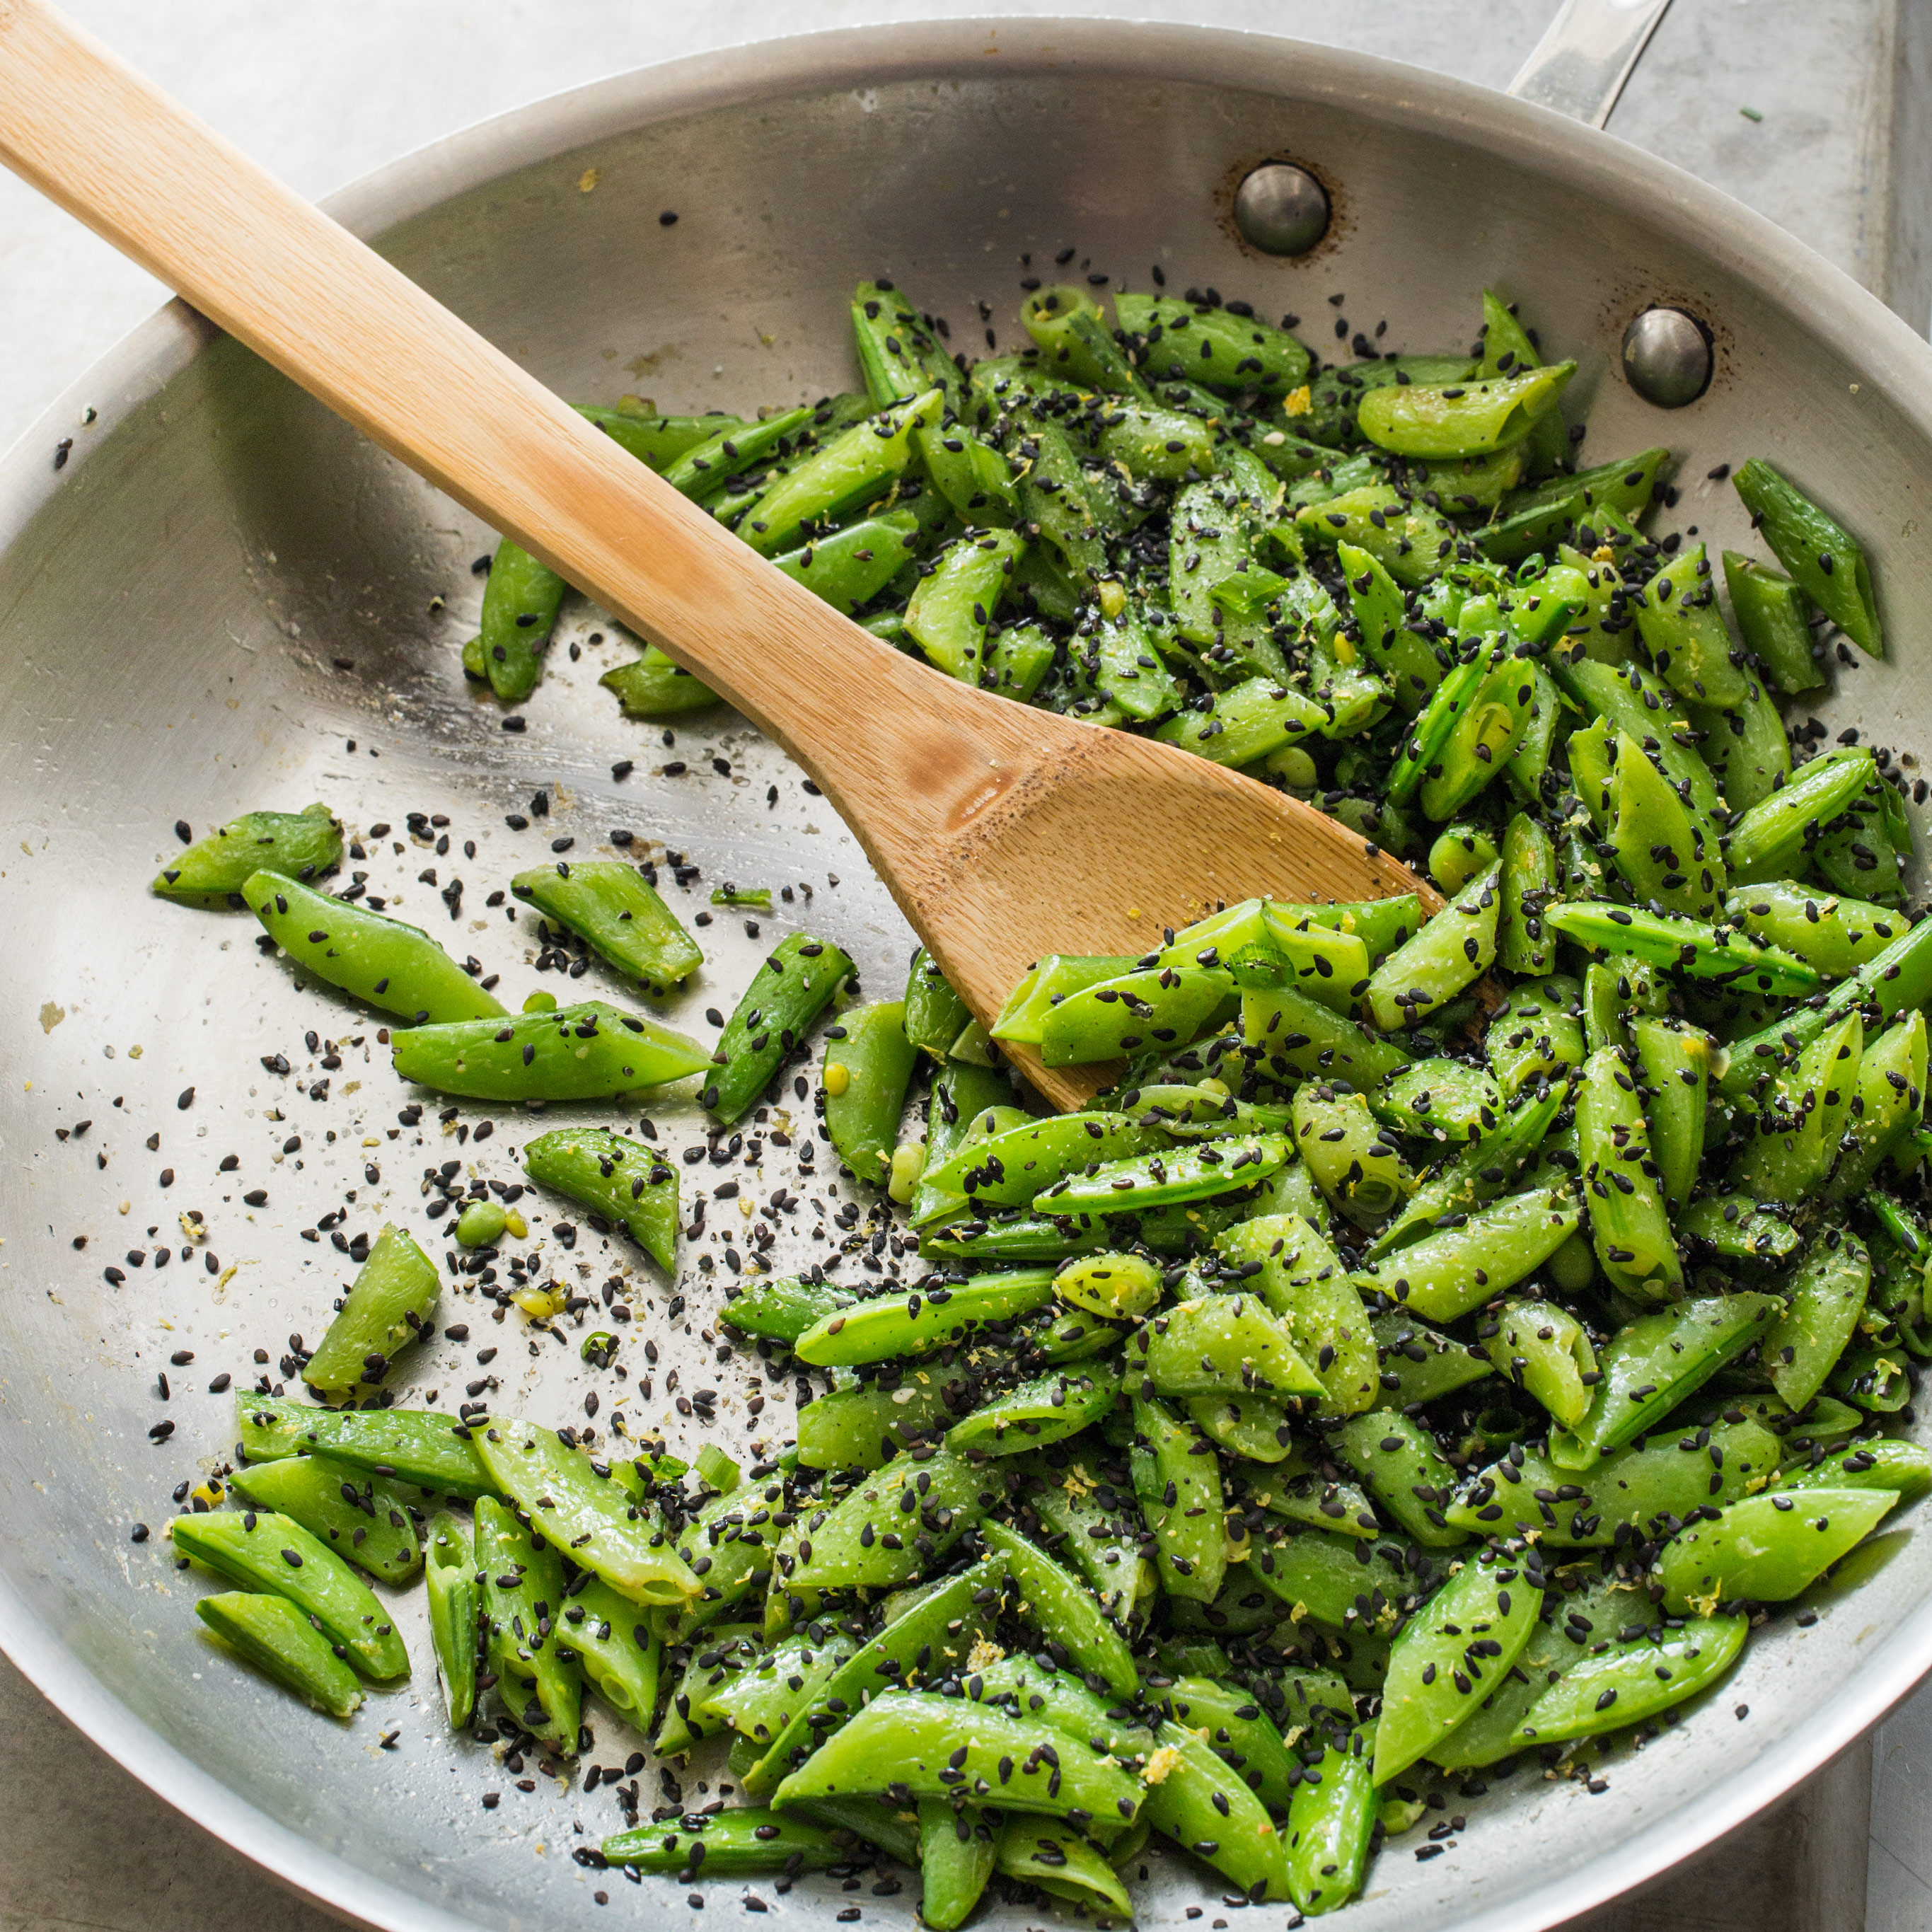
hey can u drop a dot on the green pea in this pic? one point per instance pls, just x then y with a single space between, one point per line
482 1223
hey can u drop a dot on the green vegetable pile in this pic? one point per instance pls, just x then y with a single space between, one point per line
1442 1341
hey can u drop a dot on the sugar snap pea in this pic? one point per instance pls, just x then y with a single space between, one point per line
271 1634
364 1519
387 1305
1766 1548
626 1182
455 1604
416 1445
301 845
1825 560
610 905
787 993
590 1051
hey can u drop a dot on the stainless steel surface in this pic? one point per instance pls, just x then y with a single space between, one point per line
174 601
1666 357
1581 64
1281 208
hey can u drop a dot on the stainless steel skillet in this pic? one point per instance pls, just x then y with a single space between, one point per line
174 600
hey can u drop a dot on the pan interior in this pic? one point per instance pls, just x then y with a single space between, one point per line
233 602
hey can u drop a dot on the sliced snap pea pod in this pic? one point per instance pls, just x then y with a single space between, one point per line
897 352
894 1525
1653 1363
653 686
1298 1035
1632 700
269 1552
1827 1296
1320 1496
1303 1281
1483 737
957 1852
387 1306
1463 418
1121 1287
1903 1469
1166 1006
706 1670
364 1519
1529 884
1239 1732
1363 1176
952 608
903 1740
1483 1169
1055 498
1687 946
1256 1428
1826 561
1738 1229
1212 345
1614 988
1075 344
1438 718
1772 839
1766 1549
380 961
521 1579
918 1320
1887 1106
1446 1274
1533 518
1405 658
1467 1635
1328 415
591 1051
1609 1689
741 1843
1060 1863
1060 1607
1452 951
626 922
1410 542
1676 1062
1508 350
1326 1577
781 1308
455 1609
1898 980
1418 1363
935 1015
655 440
930 1639
1048 1408
1685 634
1245 722
521 598
961 1093
617 1648
865 1425
1018 661
1746 747
1197 1801
273 1636
1057 977
1216 1344
788 992
626 1182
1211 541
1019 1238
416 1445
841 475
1543 1349
1010 1167
1654 841
851 566
1835 935
1202 1113
869 1066
1398 1460
701 471
591 1515
1774 620
1380 924
1158 1179
1651 1489
1331 1822
1180 1501
1536 1034
1440 1100
1798 1129
301 845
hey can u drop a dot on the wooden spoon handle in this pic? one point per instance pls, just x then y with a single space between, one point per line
893 744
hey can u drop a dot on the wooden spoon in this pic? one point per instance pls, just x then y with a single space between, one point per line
1005 833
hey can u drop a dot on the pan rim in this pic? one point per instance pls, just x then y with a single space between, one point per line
1747 246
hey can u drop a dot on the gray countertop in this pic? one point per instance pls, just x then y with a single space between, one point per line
1842 156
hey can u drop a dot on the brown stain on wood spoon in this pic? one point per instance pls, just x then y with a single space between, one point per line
1004 833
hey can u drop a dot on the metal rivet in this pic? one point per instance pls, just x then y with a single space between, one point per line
1667 358
1282 209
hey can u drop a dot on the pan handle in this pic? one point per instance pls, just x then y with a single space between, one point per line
1580 66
